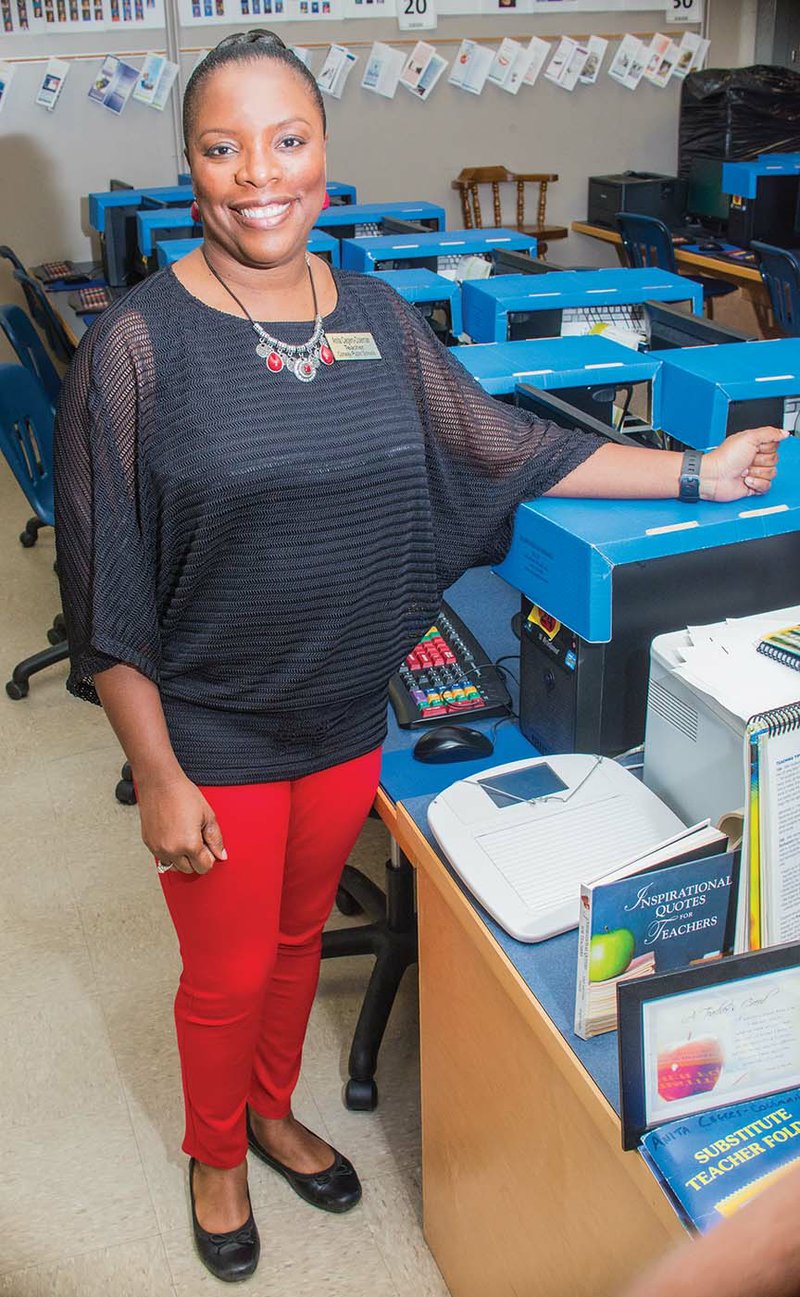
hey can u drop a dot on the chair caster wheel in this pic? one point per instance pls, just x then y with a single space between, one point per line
347 904
124 792
26 540
17 691
361 1096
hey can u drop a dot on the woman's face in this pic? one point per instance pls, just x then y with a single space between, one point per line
257 156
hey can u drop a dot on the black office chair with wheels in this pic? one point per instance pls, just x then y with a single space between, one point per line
42 313
391 937
780 271
648 242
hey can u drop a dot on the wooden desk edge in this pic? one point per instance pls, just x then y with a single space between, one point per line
708 265
423 857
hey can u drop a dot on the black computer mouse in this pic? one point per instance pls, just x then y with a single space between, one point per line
452 743
710 246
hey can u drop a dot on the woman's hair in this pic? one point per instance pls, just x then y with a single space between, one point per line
245 47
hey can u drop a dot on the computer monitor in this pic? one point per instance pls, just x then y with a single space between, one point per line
669 327
554 409
506 262
115 185
119 246
705 198
394 225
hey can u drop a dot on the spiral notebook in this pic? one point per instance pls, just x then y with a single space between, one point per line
769 892
783 646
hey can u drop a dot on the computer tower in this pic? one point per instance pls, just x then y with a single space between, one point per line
770 217
645 192
582 697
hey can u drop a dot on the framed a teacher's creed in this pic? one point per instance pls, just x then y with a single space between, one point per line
708 1036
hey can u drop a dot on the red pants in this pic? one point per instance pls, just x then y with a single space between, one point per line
250 934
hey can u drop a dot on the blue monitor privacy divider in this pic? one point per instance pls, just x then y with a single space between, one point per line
320 243
430 250
112 214
601 578
341 195
506 262
509 307
358 219
707 393
438 299
586 372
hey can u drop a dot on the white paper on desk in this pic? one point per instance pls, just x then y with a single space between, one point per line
596 47
539 51
382 72
779 770
662 57
55 74
7 71
471 67
627 66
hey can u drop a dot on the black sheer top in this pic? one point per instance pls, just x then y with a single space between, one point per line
267 550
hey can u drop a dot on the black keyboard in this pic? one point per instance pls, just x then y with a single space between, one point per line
447 677
67 272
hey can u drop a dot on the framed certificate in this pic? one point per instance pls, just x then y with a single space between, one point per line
708 1036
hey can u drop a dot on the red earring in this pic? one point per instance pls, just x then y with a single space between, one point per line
326 202
194 211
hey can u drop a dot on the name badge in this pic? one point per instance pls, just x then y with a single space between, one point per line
353 346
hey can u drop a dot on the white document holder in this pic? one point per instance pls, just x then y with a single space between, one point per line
525 861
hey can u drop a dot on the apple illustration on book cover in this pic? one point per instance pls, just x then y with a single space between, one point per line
692 1067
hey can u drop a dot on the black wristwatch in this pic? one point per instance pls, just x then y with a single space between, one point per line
689 490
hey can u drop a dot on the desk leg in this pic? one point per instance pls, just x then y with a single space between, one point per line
526 1190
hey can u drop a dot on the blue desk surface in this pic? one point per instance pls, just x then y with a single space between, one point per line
556 362
487 604
99 203
171 250
419 285
487 302
369 213
699 383
564 552
363 253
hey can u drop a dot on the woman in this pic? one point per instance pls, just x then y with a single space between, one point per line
253 531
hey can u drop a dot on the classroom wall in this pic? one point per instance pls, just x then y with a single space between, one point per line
389 148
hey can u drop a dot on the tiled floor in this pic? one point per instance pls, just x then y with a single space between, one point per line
92 1179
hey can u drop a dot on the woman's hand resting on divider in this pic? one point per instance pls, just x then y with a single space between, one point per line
178 825
743 465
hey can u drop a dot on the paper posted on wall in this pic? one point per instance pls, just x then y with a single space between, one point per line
156 79
539 51
335 70
382 71
596 47
472 65
662 55
566 65
422 70
692 53
504 60
627 66
55 74
114 84
7 71
303 53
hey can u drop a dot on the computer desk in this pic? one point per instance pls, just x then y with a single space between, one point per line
525 1185
747 278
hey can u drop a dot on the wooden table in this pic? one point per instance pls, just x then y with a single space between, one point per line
526 1190
747 278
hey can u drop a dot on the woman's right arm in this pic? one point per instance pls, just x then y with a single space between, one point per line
105 539
178 825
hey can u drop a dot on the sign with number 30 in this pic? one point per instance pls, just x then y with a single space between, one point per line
684 11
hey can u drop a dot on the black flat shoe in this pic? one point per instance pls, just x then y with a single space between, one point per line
232 1256
336 1189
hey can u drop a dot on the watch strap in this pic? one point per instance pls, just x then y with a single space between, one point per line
689 488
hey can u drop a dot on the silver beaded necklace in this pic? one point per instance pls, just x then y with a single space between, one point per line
302 360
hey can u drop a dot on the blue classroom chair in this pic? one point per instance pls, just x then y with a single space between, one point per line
648 242
780 271
42 313
28 346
